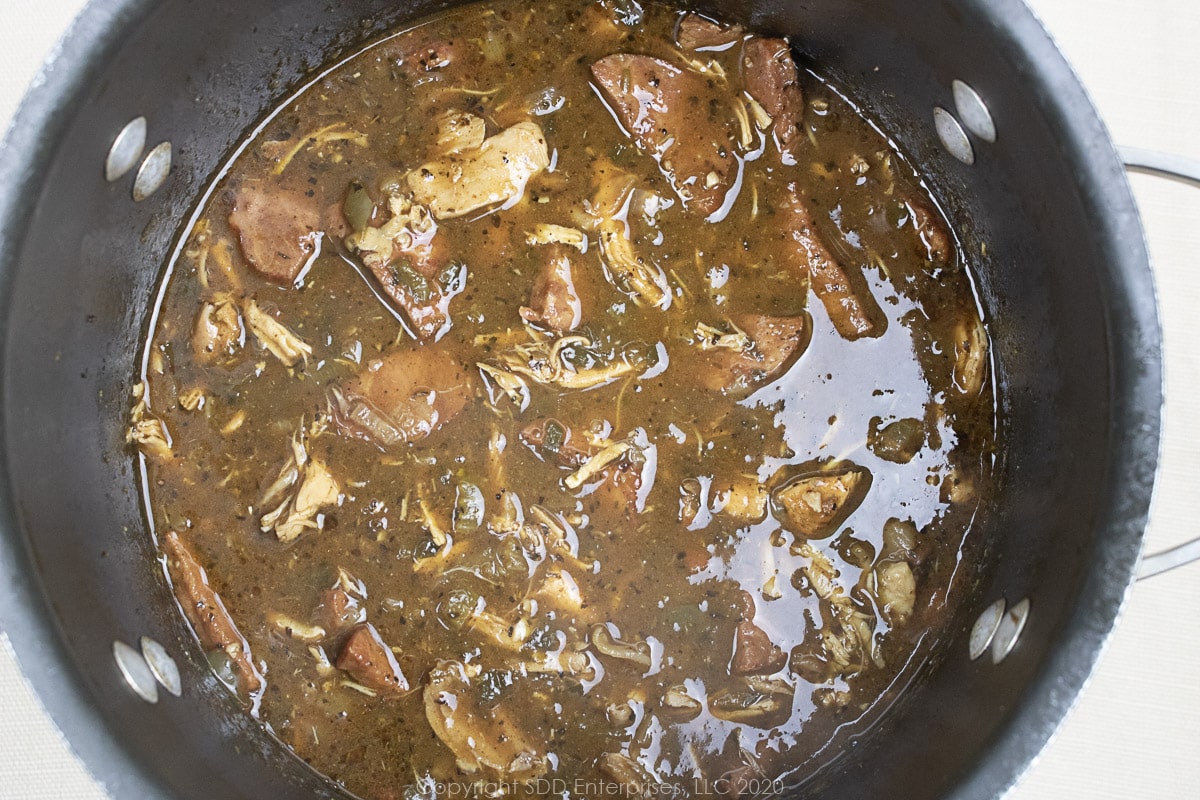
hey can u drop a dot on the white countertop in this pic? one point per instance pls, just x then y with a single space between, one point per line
1136 730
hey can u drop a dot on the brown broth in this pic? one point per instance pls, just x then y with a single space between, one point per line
656 580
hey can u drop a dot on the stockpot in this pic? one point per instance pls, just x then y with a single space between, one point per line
1040 202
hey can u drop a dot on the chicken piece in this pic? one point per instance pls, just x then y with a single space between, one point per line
895 584
294 628
573 362
814 504
403 397
553 300
676 117
639 277
544 233
560 590
845 643
970 354
605 457
146 431
771 79
697 33
931 228
852 309
768 346
458 131
753 651
409 231
317 491
279 340
208 615
844 646
743 497
495 172
897 591
303 489
622 471
218 334
278 229
482 738
371 662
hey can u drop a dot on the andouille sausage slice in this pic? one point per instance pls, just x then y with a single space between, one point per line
776 343
279 230
675 116
403 397
696 32
770 77
370 661
753 651
936 241
851 307
204 609
553 299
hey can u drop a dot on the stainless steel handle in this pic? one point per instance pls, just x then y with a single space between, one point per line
1163 165
1184 170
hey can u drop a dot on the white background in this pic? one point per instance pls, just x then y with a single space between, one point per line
1135 734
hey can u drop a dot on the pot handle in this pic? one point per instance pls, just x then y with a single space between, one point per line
1184 170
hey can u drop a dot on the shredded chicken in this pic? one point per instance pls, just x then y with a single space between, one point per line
557 234
146 431
569 362
481 738
218 333
597 464
296 499
970 355
279 340
409 226
510 385
712 338
637 276
284 152
847 635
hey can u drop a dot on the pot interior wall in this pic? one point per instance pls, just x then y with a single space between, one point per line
1068 303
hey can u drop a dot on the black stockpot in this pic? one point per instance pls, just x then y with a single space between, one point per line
1064 279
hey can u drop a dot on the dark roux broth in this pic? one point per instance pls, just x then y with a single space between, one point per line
652 557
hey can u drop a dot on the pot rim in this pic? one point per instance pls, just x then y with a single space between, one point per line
30 629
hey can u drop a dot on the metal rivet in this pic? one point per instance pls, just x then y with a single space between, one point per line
953 137
1011 625
162 665
153 172
126 149
973 111
984 629
136 672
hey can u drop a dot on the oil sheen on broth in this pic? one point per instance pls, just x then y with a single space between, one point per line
574 392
